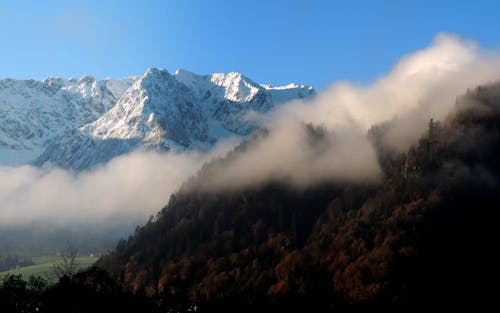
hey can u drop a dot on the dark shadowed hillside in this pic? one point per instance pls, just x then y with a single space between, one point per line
421 239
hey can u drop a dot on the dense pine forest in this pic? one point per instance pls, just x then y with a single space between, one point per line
421 239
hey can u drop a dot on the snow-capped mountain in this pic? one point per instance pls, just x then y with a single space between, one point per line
32 113
78 123
229 98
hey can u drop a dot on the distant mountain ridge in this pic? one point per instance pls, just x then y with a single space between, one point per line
78 123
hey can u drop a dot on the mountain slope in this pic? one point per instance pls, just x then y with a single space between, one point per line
227 98
78 123
157 106
32 113
423 239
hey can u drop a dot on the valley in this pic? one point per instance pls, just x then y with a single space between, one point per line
43 266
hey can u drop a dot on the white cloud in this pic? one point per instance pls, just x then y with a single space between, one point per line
421 86
129 187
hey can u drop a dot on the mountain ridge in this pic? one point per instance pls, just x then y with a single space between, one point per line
62 122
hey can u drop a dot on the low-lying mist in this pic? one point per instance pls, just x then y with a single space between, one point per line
421 86
128 188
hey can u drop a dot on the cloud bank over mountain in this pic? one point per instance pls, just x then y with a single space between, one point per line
421 86
128 188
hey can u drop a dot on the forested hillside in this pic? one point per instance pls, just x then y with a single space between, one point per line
422 238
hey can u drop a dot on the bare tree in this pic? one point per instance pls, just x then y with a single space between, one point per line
67 266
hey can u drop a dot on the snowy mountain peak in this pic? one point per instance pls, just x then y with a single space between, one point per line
156 106
237 87
86 79
289 86
34 113
155 73
54 82
157 80
79 122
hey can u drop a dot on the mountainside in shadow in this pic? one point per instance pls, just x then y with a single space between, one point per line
421 239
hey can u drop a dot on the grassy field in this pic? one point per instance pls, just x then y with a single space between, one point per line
44 267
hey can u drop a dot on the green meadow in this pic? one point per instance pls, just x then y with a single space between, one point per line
44 267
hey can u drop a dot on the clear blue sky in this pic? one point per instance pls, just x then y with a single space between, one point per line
271 41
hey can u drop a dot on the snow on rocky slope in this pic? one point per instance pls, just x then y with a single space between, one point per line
78 123
32 113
